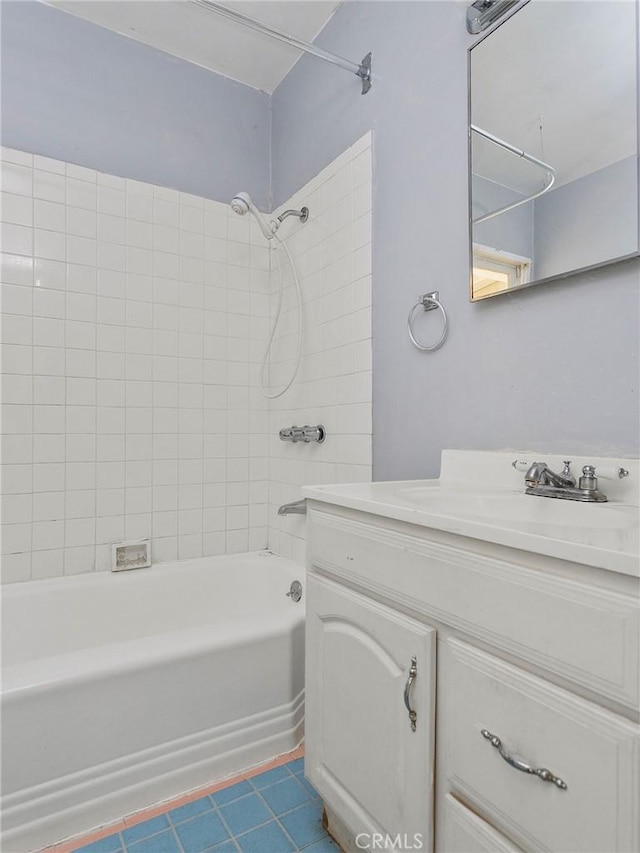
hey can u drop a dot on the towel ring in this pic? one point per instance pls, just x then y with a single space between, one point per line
429 301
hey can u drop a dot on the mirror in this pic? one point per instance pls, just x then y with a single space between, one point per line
553 143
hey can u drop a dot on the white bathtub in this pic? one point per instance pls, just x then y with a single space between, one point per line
120 690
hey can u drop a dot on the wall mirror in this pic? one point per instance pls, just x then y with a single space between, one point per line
553 109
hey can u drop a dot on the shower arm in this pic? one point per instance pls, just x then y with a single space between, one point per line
551 173
360 69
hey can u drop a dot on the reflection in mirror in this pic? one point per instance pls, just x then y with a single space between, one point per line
553 143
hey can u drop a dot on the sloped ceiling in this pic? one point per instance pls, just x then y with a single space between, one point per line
191 32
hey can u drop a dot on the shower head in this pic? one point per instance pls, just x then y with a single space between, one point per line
241 203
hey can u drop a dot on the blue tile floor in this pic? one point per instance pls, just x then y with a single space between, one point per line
275 812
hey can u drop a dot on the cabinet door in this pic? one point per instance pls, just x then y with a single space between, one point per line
363 755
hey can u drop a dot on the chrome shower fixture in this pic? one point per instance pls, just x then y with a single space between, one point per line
241 203
302 214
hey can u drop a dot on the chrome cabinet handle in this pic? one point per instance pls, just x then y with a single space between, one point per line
541 772
413 671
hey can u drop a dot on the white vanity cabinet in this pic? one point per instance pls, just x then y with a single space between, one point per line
370 711
540 653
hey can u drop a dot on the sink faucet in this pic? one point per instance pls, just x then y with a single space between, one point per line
539 474
542 481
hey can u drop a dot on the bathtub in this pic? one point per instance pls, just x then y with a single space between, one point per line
123 689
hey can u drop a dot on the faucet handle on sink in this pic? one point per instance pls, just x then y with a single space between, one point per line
567 474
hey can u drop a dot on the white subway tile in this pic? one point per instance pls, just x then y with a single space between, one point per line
190 546
16 209
16 239
15 538
16 299
17 178
17 389
110 502
138 526
16 568
16 269
48 360
139 205
81 250
165 549
48 303
79 560
111 200
81 447
81 173
49 165
47 564
81 193
51 245
81 279
80 503
48 506
17 329
80 419
109 529
80 475
111 229
48 534
49 447
49 186
79 531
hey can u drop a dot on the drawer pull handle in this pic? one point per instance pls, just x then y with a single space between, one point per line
413 671
541 772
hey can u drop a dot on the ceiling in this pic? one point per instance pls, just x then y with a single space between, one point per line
559 80
191 32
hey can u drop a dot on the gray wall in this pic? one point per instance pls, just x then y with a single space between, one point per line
78 92
587 221
551 368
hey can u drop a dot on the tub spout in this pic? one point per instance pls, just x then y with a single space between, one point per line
295 508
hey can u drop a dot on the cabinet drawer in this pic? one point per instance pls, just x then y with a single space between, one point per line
593 751
582 633
462 831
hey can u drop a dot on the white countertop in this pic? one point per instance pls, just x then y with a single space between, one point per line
479 495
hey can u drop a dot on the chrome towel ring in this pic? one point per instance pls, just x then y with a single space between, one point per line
429 301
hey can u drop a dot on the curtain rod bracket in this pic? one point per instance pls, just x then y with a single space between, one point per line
364 73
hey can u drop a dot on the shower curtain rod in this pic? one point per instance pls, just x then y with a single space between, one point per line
551 173
360 69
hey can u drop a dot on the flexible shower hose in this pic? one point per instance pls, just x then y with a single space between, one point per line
263 386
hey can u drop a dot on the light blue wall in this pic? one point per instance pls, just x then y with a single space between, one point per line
587 221
550 368
78 92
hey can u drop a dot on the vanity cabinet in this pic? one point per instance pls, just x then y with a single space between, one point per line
537 652
370 710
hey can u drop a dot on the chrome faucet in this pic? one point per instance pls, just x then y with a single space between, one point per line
542 481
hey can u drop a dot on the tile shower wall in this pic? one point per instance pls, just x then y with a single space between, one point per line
332 252
134 320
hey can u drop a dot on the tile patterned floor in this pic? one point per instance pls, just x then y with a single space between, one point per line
276 811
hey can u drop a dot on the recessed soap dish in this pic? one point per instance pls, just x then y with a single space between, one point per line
130 555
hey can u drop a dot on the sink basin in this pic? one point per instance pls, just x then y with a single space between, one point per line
518 507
